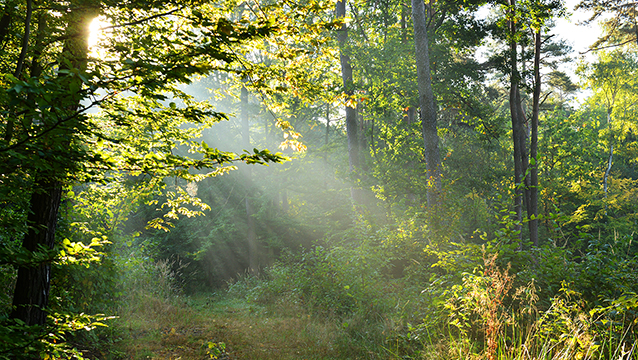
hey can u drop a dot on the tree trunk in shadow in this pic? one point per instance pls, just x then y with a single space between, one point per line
426 102
31 295
348 89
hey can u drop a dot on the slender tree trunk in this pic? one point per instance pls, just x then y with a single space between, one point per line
426 103
35 70
514 99
25 39
610 159
251 238
348 89
31 293
5 22
20 63
404 27
373 146
607 171
361 131
284 200
327 124
410 112
532 210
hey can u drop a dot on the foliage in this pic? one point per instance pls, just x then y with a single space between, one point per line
153 214
21 341
215 350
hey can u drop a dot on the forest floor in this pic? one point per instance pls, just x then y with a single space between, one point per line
215 328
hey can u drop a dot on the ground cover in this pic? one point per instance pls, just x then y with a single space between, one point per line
210 327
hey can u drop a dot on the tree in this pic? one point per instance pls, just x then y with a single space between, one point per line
621 28
348 91
32 286
426 103
539 15
612 79
70 117
383 56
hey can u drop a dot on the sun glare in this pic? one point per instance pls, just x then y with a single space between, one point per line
97 33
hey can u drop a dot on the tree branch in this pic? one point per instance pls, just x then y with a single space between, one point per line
25 39
137 22
608 46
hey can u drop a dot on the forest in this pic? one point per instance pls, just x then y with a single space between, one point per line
318 179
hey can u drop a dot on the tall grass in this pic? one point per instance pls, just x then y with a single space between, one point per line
490 320
484 317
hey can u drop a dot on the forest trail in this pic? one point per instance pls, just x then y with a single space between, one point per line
201 328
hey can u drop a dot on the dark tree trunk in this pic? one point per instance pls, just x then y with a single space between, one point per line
31 293
426 103
25 39
5 22
20 63
532 210
410 115
348 89
517 122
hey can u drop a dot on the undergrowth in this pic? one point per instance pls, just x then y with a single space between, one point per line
488 314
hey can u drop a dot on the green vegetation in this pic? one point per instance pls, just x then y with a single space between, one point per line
316 180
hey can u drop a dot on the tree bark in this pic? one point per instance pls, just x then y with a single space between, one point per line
517 121
532 210
31 293
426 103
19 64
610 159
348 89
25 39
5 22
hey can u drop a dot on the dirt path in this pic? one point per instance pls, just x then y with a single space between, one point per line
225 330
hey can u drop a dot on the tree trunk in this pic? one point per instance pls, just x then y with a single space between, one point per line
325 143
5 22
348 89
19 64
426 103
610 159
532 210
517 121
404 27
409 115
25 39
284 200
31 293
251 238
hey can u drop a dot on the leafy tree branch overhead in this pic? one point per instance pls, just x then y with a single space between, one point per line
73 115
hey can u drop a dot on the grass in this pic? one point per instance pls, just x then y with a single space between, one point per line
249 323
184 329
